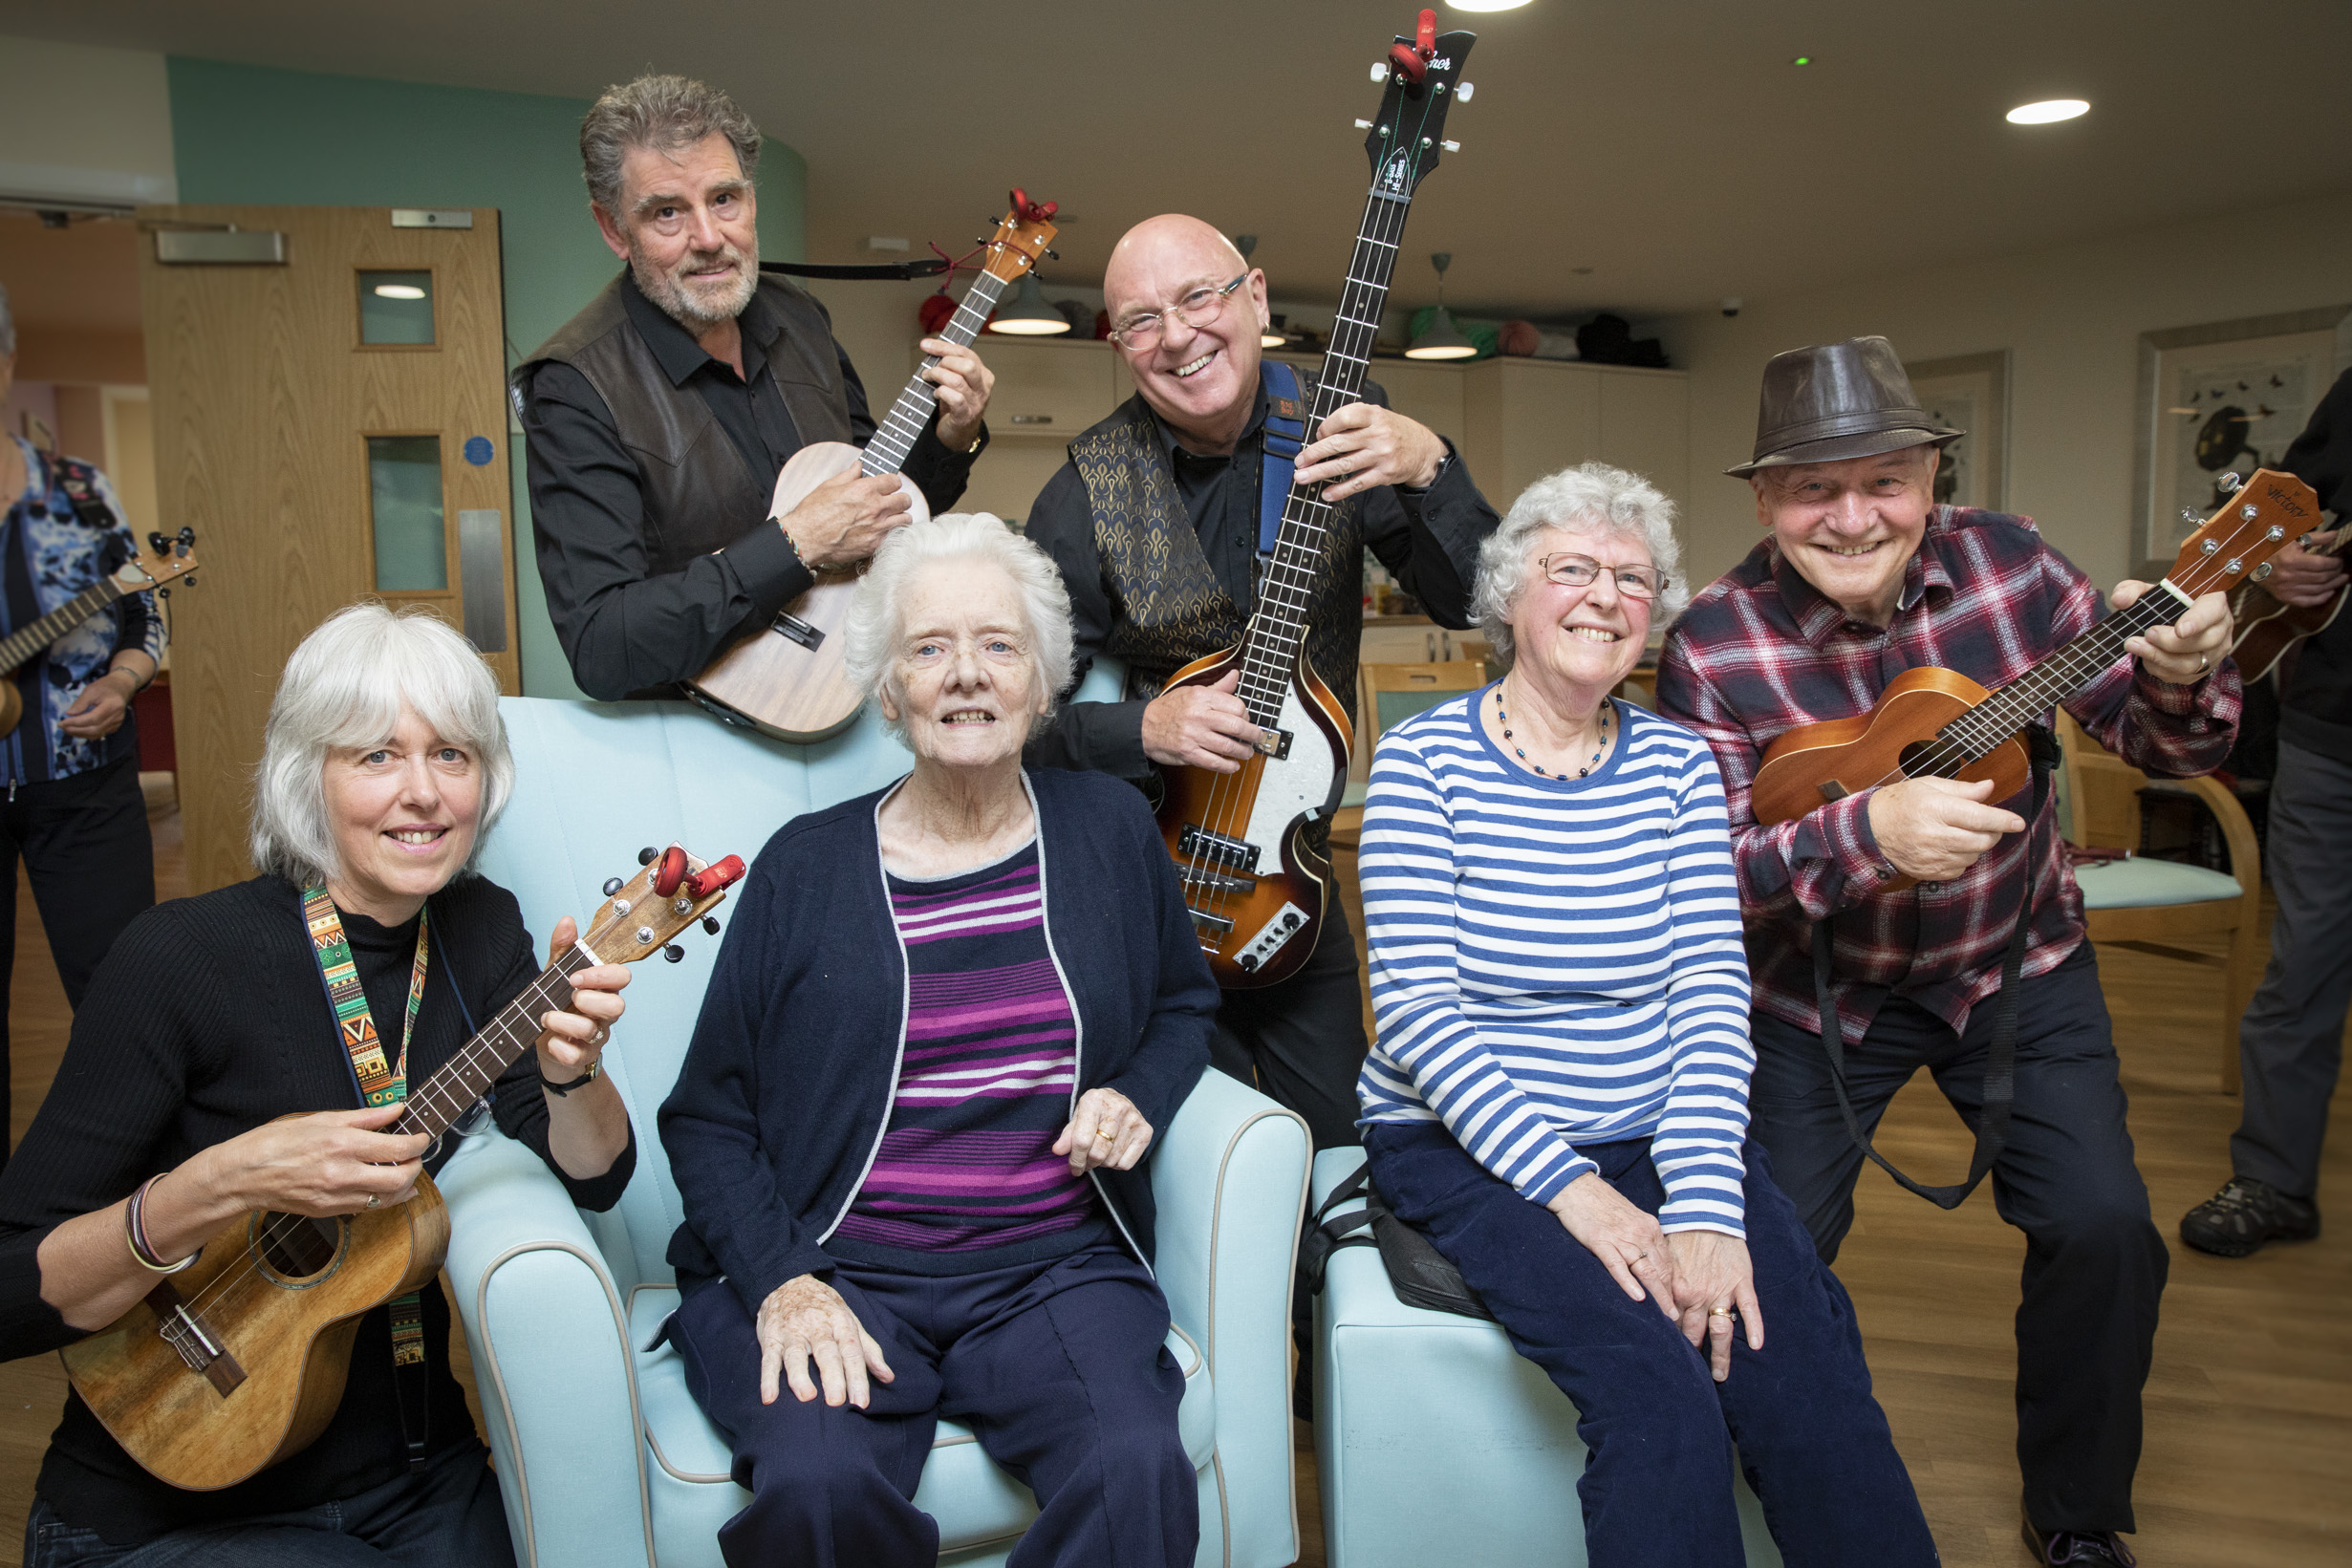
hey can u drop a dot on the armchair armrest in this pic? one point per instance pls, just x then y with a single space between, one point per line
1229 1182
551 1358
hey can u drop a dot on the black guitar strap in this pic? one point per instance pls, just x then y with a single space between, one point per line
929 266
2001 1072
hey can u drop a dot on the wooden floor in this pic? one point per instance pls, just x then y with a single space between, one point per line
2249 1453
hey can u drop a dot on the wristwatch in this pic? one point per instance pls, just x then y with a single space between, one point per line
559 1090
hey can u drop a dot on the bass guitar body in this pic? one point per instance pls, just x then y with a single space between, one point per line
1255 886
788 678
240 1358
1813 765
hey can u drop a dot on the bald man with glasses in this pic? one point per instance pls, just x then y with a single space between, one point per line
1154 521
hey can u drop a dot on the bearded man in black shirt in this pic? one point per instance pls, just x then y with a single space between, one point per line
660 416
1186 312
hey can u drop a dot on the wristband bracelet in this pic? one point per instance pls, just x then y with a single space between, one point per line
793 544
135 1234
559 1090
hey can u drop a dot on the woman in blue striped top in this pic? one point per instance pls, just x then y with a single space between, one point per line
1559 1095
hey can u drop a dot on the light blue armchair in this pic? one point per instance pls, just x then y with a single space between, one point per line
603 1456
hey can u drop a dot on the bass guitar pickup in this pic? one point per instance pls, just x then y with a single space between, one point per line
1198 844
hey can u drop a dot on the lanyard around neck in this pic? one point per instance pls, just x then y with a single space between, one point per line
381 1082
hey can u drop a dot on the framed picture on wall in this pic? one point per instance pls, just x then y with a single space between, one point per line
1969 392
2225 397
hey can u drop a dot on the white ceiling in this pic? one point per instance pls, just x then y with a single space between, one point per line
1667 145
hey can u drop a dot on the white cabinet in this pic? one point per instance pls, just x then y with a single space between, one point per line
1428 393
1045 387
1529 417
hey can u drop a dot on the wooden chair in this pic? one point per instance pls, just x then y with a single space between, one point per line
2149 905
1391 693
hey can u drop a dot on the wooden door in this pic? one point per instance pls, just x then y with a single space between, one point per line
332 423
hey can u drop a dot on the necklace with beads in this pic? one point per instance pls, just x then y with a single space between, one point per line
1505 720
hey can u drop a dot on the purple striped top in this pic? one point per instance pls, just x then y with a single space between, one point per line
966 1170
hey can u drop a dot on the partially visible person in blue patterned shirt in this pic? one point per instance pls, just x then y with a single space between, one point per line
72 809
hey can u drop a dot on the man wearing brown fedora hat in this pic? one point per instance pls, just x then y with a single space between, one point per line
1923 921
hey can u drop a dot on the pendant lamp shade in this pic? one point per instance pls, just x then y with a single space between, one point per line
1028 315
1441 340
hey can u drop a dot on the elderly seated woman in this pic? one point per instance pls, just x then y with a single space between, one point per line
910 1130
383 764
1557 1098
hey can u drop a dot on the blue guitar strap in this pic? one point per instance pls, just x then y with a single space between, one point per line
1285 432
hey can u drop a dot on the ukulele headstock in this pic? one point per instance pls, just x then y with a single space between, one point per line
1022 235
2265 515
1422 77
671 891
167 558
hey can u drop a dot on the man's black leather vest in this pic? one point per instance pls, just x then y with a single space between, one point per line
700 493
1171 610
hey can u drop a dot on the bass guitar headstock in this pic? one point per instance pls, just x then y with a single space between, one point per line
1023 234
671 891
2263 517
1422 80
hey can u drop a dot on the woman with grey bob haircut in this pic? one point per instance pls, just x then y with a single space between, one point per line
878 617
345 686
1592 498
219 1067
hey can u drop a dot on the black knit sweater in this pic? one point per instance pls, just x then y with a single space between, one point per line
207 1019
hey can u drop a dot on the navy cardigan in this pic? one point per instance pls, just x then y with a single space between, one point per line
787 1085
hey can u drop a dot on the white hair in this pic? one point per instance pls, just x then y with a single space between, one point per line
1592 498
345 686
875 624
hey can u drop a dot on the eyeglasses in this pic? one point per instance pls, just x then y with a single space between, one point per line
1196 310
1583 571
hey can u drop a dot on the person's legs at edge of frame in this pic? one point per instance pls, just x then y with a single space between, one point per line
1301 1042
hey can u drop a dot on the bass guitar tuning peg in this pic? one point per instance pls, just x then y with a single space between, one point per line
1362 124
674 953
1451 146
710 924
613 884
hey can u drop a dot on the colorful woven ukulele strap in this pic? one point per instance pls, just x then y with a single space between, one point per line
381 1083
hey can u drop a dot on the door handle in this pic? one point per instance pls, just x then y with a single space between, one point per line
482 576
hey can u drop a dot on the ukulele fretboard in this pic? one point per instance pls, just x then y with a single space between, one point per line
446 1096
903 426
1983 728
28 642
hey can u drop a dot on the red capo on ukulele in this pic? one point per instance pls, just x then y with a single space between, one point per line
1039 212
1412 59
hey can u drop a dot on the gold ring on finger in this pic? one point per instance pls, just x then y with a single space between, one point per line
1720 1312
1108 1137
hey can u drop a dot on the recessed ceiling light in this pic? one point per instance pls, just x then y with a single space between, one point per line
1486 5
2048 112
398 291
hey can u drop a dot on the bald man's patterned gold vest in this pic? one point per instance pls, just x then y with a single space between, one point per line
1171 610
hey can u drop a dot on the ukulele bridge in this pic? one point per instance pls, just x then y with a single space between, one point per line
188 1335
798 630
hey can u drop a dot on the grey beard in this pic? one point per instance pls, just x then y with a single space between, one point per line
680 305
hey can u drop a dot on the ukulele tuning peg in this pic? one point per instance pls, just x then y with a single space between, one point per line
645 856
2230 484
674 953
710 924
1462 94
1380 71
186 535
157 542
611 886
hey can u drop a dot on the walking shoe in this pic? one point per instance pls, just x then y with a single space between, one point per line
2246 1213
2090 1547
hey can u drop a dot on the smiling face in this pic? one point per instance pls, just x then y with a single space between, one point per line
1588 638
1851 527
1204 380
965 680
688 228
404 813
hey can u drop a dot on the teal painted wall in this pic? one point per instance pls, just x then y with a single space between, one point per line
249 133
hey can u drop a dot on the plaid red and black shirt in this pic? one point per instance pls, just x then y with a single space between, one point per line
1762 651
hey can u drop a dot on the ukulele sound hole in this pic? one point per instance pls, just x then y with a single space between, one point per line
1920 761
296 1249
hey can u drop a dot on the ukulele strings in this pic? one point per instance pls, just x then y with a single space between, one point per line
1231 797
226 1286
2004 712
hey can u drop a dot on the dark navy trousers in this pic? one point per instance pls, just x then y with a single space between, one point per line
1657 1489
1059 1367
2095 1265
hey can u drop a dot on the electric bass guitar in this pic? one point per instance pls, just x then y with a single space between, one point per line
1255 886
2268 626
168 558
788 678
238 1361
1939 724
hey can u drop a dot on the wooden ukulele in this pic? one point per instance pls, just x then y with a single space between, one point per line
1939 724
167 558
788 679
238 1361
1256 888
2267 626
